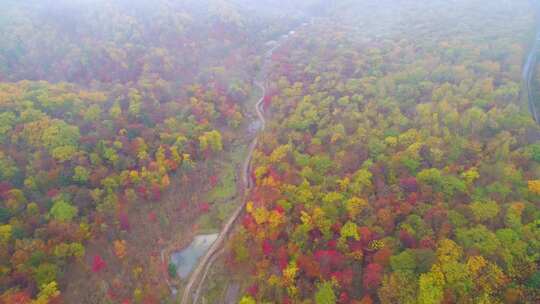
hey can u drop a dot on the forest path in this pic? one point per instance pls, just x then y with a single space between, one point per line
197 277
200 272
247 183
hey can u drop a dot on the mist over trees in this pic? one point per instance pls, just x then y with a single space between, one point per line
399 163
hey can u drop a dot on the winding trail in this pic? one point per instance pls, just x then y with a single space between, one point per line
199 274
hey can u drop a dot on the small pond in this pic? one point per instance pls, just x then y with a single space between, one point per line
186 259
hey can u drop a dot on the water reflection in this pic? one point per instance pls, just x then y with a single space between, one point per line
186 259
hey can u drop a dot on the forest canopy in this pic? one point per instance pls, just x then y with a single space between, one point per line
397 161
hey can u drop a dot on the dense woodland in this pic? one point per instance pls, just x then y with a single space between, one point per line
400 163
102 104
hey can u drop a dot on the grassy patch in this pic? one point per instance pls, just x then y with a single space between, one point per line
215 288
218 214
239 154
225 210
207 222
226 186
223 197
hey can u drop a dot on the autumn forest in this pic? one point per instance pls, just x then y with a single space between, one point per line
257 151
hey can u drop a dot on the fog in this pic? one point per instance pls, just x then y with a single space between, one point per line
269 151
